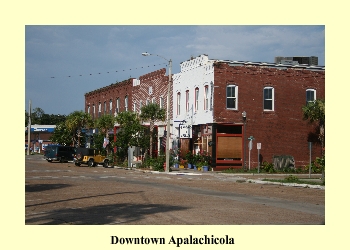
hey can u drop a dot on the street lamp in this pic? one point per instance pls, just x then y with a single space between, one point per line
244 116
167 149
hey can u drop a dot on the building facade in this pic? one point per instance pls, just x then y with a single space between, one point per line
208 98
153 88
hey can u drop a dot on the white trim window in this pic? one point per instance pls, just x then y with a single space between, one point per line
206 97
110 106
178 103
187 101
196 98
126 103
269 96
161 102
231 96
117 106
310 95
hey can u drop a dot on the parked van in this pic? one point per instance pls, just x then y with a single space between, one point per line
59 153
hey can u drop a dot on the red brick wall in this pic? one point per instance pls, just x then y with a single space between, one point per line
281 131
158 81
107 93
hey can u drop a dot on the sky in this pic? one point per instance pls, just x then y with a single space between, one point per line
62 63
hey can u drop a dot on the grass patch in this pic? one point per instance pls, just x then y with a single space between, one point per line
294 179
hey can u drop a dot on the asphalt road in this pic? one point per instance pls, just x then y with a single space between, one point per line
61 194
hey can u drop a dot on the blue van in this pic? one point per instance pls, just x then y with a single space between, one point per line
59 153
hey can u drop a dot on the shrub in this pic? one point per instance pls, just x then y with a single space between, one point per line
267 167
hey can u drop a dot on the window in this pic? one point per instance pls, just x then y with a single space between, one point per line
310 95
88 109
231 96
140 106
93 111
269 98
126 103
196 96
187 101
161 102
110 106
117 105
104 107
206 98
178 102
99 109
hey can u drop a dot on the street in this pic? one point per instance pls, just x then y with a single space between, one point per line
63 194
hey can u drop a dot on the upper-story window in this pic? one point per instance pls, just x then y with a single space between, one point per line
140 106
206 97
161 102
110 106
99 109
231 96
88 109
269 99
187 101
93 111
117 105
178 102
196 98
310 95
126 103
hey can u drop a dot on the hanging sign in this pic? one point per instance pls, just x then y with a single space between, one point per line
185 131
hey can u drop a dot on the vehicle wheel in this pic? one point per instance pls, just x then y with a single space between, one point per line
49 160
105 164
77 164
61 160
91 163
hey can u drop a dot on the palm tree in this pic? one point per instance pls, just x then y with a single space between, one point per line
75 122
152 113
104 124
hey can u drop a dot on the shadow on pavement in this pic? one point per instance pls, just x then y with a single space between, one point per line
124 213
44 187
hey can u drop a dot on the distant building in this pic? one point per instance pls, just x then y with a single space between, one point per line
294 60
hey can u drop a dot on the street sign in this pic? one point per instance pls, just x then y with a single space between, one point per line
258 145
185 131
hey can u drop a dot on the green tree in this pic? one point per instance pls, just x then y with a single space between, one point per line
104 124
75 122
315 112
36 116
152 113
61 135
130 133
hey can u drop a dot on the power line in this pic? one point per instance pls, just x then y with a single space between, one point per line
108 72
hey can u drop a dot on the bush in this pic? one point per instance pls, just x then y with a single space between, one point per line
267 167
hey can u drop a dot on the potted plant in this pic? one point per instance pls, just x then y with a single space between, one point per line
176 163
183 163
190 159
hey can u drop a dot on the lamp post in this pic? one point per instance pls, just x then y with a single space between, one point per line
244 116
167 149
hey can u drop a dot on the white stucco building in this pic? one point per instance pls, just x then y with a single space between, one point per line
193 102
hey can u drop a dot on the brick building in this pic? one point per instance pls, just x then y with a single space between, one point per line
271 95
131 95
111 99
153 88
209 97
